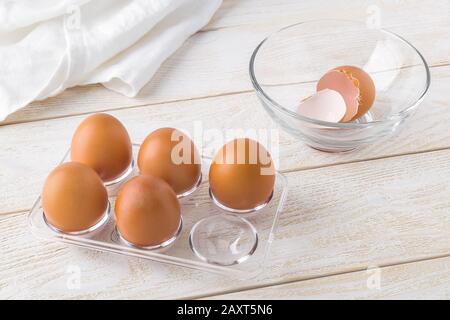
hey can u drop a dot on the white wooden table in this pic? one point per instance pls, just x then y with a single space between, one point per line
386 207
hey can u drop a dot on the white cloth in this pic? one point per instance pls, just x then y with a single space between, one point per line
47 46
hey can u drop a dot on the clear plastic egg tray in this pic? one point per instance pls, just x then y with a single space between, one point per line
216 234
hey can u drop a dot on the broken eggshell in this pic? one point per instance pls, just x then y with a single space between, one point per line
326 105
347 86
366 87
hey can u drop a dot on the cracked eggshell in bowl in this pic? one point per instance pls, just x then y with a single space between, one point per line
346 86
326 105
366 87
102 143
356 87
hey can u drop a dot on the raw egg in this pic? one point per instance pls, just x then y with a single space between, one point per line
326 105
102 143
74 198
242 175
356 87
147 211
171 155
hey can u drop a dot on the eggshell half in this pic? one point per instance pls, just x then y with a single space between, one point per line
366 87
74 197
242 175
102 143
346 86
171 155
326 105
147 211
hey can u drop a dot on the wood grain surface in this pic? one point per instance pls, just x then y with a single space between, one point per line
420 280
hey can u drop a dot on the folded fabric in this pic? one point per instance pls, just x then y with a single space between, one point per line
47 46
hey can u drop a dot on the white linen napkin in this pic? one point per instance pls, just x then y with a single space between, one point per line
47 46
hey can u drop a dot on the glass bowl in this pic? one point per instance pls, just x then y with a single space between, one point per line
287 65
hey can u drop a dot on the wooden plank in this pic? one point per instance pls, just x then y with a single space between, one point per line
235 13
215 62
31 150
429 279
337 219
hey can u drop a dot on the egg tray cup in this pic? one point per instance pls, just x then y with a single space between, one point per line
204 231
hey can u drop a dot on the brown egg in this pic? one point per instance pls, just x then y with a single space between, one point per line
242 175
147 211
102 143
366 87
169 154
74 197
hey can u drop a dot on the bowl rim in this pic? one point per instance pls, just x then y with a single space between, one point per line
394 117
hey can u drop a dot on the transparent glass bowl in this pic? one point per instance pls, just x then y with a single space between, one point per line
287 65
